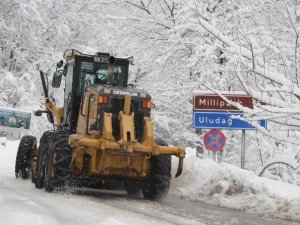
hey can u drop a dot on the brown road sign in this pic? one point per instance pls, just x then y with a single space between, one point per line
213 102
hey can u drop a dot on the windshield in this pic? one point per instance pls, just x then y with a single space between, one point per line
97 73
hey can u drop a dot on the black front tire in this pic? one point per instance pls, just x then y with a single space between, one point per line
41 159
157 186
26 147
59 157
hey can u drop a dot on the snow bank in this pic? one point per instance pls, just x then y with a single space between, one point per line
227 185
22 204
222 184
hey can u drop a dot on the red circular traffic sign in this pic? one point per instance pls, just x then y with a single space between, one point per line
214 140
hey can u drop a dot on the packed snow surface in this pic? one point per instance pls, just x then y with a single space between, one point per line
230 186
22 204
202 179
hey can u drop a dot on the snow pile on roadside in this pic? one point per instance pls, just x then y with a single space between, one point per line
222 184
22 204
230 186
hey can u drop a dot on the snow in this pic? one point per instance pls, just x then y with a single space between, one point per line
229 186
291 161
22 204
202 179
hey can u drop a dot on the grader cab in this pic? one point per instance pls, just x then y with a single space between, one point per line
103 134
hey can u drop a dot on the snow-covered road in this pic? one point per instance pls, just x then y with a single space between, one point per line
21 203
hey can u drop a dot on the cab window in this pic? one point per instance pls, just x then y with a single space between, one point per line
97 73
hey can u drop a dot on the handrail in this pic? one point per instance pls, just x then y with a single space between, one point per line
88 115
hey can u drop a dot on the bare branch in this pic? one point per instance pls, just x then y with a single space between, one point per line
140 7
273 163
170 8
261 97
296 41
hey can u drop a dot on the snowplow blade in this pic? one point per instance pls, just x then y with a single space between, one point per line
137 153
179 168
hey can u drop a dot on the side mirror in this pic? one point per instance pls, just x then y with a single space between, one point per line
56 80
60 64
112 60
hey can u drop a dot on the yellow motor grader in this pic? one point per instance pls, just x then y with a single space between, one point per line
103 135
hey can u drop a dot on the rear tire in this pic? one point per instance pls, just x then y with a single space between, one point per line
157 186
41 158
26 147
58 163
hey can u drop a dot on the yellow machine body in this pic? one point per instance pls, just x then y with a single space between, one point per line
103 132
100 154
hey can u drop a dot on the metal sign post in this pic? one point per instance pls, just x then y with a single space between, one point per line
199 149
215 157
243 152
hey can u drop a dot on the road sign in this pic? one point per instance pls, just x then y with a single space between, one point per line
214 140
13 120
213 102
223 120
